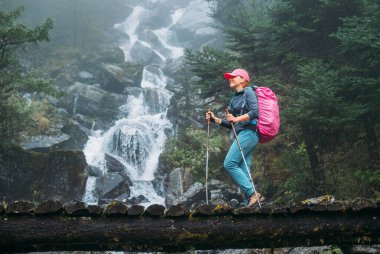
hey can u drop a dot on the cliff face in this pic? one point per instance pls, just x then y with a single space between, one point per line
37 176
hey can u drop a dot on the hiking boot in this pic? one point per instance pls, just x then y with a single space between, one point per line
253 202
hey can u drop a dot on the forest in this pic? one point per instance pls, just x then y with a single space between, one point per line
320 57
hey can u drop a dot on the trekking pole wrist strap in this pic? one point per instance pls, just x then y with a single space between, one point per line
216 120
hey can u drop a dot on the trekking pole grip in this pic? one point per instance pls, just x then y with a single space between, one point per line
209 113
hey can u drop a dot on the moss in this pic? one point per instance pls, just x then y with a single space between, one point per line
363 240
186 235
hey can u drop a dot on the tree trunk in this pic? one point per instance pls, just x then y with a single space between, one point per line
318 174
244 228
369 127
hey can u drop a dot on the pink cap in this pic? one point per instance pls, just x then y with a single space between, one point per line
237 72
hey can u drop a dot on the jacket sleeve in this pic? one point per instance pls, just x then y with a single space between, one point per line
252 104
226 124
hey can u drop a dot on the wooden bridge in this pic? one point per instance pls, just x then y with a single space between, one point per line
51 226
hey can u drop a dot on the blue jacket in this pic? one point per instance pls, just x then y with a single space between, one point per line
243 102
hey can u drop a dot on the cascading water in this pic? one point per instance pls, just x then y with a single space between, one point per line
137 139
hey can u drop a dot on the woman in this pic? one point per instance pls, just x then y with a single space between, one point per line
243 113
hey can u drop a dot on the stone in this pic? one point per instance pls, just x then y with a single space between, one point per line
49 207
117 77
20 208
177 211
112 185
95 210
135 210
202 210
27 175
116 208
76 208
94 171
155 210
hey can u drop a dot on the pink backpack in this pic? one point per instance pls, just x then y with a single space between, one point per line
269 114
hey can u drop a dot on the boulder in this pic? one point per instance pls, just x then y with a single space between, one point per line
89 104
117 77
177 182
115 165
28 175
145 55
93 171
112 185
45 143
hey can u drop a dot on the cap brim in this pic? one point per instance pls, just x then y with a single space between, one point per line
229 75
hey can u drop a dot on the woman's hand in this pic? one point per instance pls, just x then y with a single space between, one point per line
231 118
210 115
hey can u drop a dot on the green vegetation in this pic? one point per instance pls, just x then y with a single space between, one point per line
16 85
188 151
24 91
322 58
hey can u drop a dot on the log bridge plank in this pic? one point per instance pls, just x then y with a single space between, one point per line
53 227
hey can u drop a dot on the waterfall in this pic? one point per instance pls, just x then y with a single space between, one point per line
137 139
75 102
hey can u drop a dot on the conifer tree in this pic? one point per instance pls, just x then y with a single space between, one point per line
15 112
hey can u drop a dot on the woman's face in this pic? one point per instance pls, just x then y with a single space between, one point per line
236 82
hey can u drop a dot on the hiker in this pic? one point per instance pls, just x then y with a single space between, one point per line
244 118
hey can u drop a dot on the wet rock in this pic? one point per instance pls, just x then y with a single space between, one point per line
112 185
20 208
137 200
177 211
28 175
93 171
65 176
44 143
76 209
114 165
135 210
177 182
223 209
155 210
95 210
117 77
49 207
155 105
150 37
92 102
203 210
78 136
116 208
145 55
243 211
195 193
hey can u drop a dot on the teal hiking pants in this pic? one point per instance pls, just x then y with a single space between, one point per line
234 163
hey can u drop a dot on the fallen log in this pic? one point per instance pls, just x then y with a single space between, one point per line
75 227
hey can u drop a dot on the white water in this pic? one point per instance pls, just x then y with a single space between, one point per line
138 139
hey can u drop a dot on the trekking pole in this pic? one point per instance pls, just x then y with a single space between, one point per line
245 163
207 152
